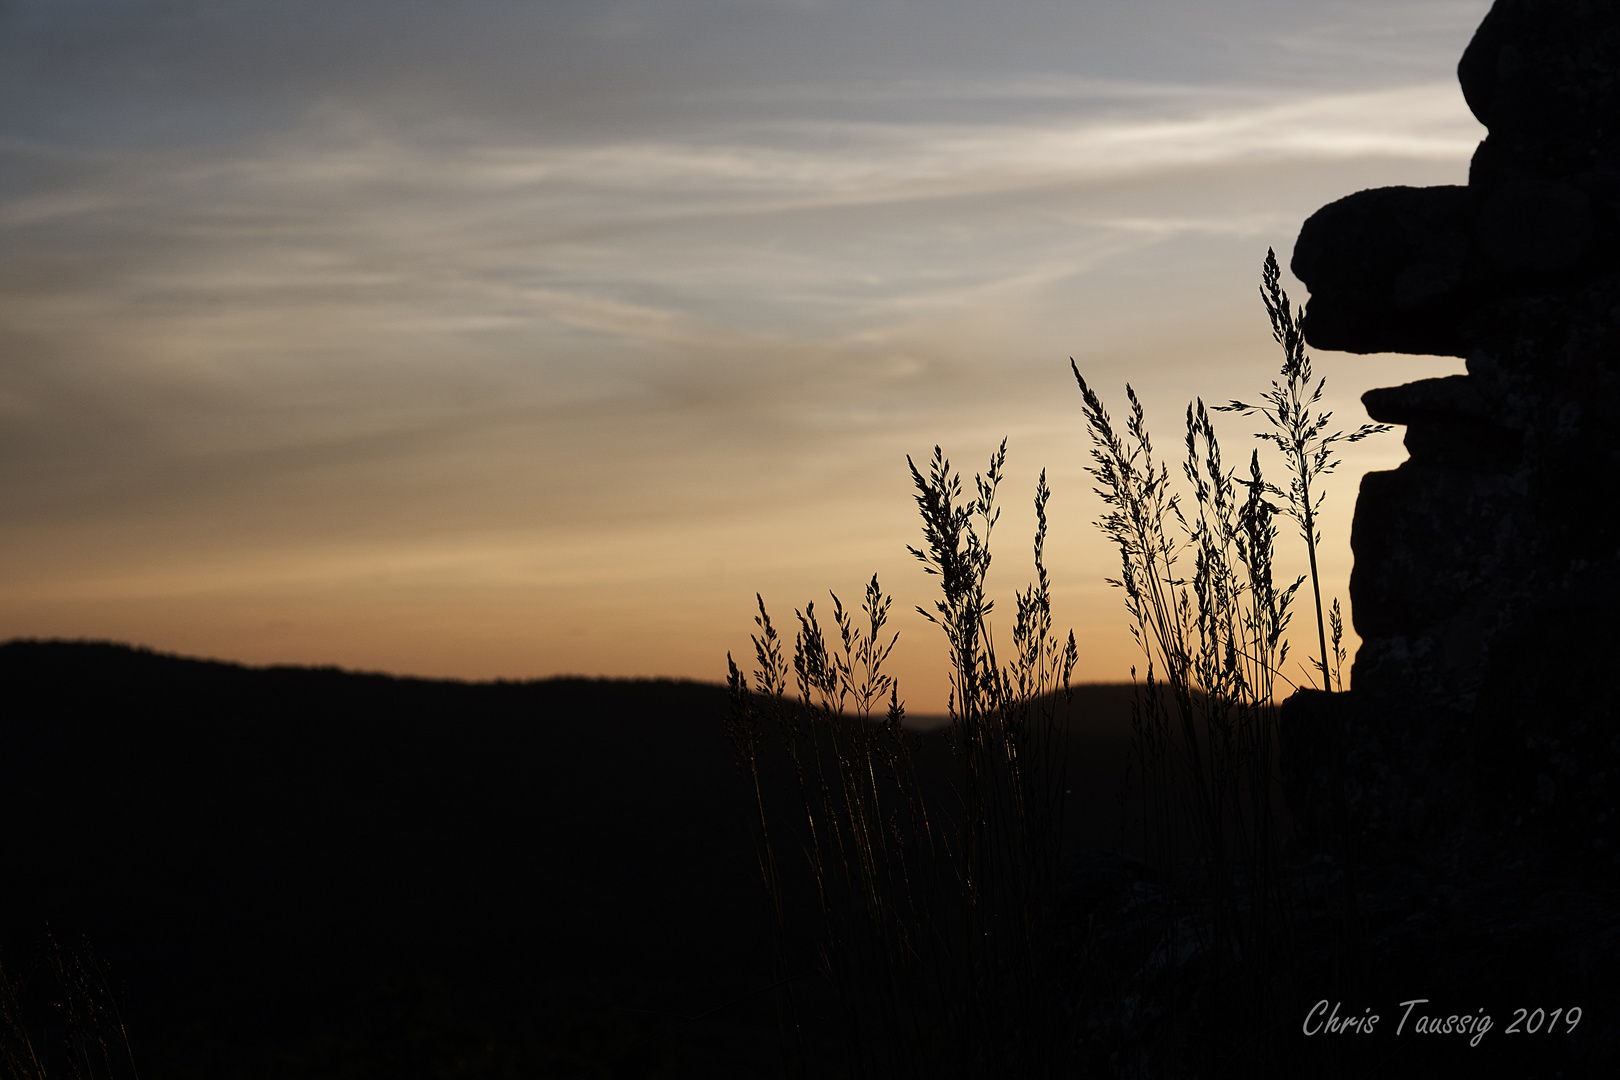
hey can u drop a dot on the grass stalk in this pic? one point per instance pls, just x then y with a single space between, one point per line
935 916
60 1018
1204 723
1300 433
935 905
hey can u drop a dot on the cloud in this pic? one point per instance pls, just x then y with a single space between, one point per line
337 281
294 298
792 165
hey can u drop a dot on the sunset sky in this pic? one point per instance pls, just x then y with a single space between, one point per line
500 339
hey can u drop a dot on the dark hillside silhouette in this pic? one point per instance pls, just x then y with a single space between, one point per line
307 872
278 861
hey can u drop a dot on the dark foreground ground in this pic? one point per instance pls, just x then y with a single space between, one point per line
309 873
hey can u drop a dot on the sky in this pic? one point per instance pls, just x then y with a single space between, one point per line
497 339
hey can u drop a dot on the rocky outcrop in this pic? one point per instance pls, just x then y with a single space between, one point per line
1456 830
1482 725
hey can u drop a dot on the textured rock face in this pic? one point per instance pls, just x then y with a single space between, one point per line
1412 269
1487 567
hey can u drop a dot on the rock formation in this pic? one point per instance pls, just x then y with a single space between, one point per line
1455 816
1481 725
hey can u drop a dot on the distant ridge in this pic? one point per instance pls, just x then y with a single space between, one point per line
268 855
108 648
367 874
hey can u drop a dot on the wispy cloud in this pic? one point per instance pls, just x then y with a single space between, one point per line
795 164
337 323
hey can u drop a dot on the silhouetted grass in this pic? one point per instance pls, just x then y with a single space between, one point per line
1205 719
935 915
1300 435
59 1019
936 919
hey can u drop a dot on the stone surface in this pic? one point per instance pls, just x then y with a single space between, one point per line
1420 269
1456 833
1480 725
1469 779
